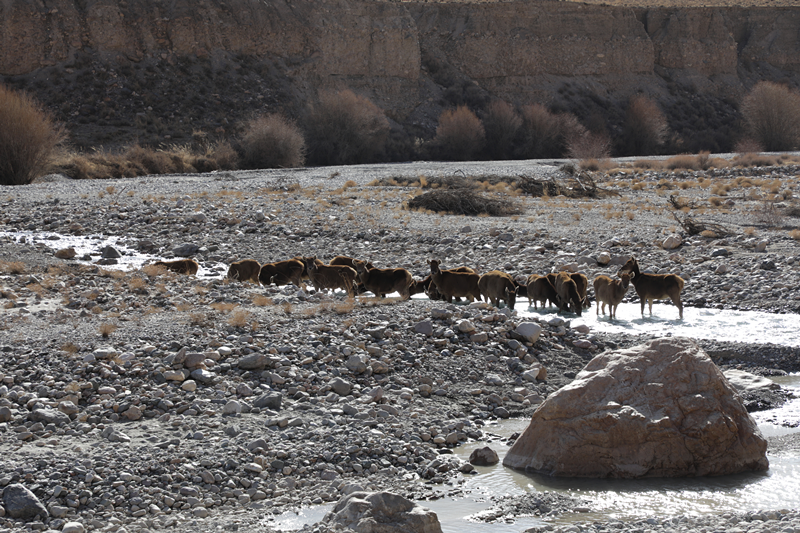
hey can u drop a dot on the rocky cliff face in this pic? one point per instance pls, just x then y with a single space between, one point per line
405 55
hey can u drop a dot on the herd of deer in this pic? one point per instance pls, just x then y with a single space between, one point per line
567 291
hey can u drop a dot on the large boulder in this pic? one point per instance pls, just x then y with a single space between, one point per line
662 409
20 502
382 512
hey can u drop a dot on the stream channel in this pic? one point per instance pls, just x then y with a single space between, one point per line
778 488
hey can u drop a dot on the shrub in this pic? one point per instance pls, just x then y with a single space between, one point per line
500 124
344 128
139 161
463 202
588 145
546 134
772 114
645 127
272 141
28 137
460 135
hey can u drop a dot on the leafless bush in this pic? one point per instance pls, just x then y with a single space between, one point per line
343 128
28 137
768 214
272 141
645 127
463 202
588 145
772 114
459 136
500 124
747 146
545 134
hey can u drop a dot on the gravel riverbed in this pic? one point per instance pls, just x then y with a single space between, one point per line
142 400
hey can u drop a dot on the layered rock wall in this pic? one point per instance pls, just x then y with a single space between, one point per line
341 38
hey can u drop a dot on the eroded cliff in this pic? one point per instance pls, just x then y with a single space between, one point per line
102 63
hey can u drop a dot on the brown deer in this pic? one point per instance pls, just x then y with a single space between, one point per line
324 276
540 289
283 273
181 266
610 291
245 270
496 285
651 287
567 293
383 281
454 284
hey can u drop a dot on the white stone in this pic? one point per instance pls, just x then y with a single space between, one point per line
671 242
530 331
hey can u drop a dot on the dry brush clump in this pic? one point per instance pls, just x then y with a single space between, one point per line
343 128
28 138
459 136
138 160
772 114
463 202
272 141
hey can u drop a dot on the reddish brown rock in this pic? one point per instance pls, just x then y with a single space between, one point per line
662 409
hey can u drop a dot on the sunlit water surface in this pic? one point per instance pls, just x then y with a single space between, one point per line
91 245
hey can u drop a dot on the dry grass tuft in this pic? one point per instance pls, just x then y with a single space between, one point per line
223 306
261 301
28 138
12 267
69 348
239 319
107 329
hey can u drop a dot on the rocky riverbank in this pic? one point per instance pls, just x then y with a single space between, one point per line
143 400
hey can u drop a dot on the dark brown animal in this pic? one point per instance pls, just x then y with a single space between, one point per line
455 284
496 285
351 262
426 285
651 287
540 289
418 286
283 273
567 294
610 291
348 261
324 276
245 270
582 283
181 266
383 281
522 288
